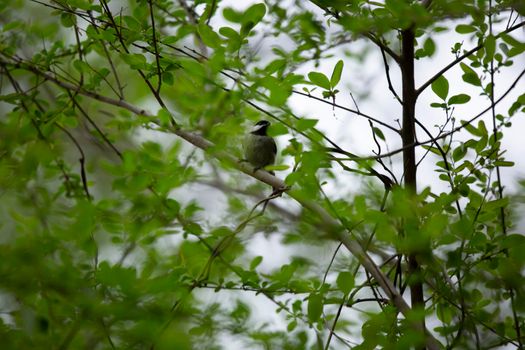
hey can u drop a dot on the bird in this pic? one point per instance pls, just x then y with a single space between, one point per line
259 148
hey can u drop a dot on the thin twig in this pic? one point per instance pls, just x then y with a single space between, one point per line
389 81
155 46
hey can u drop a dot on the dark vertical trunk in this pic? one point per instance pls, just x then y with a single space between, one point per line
409 157
409 104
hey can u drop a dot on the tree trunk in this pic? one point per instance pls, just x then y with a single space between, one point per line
409 158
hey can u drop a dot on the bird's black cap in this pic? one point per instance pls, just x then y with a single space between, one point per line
260 127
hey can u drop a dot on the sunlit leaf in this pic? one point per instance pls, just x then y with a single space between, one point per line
336 74
319 79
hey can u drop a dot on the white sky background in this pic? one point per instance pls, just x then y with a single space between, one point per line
353 134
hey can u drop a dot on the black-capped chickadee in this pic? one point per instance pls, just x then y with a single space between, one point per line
259 148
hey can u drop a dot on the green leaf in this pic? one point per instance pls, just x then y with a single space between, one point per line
164 117
81 66
471 79
465 29
470 76
254 14
490 48
68 121
292 178
277 129
132 23
68 19
251 17
336 74
429 46
444 313
229 33
459 99
444 177
481 144
513 240
440 87
15 24
167 78
504 163
13 98
420 53
319 79
378 133
471 128
459 153
170 39
438 105
291 326
315 307
232 15
482 128
193 68
432 149
275 65
173 206
517 46
345 282
255 262
305 124
208 36
497 203
511 40
134 60
279 90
